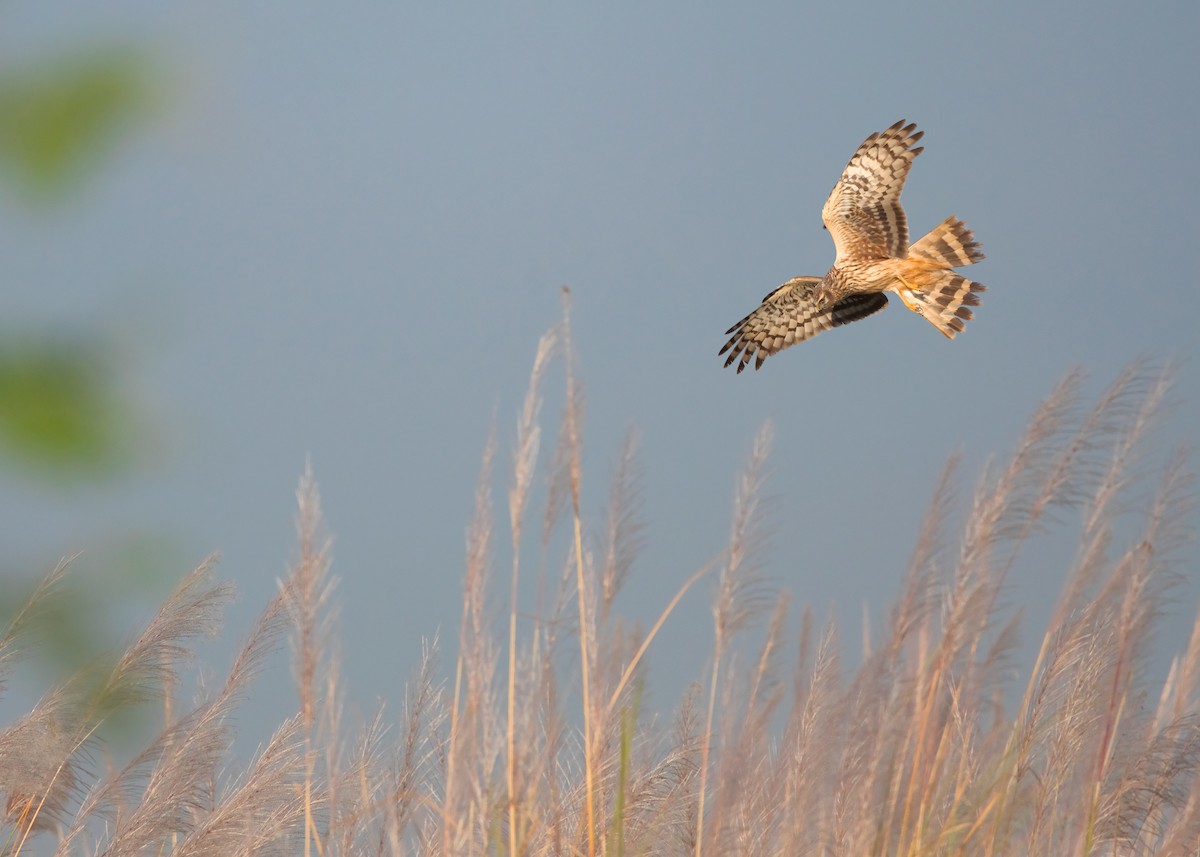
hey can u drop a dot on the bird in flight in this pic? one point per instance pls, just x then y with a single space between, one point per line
870 234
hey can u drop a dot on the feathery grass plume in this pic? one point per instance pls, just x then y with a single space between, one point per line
413 765
624 536
170 787
573 444
918 749
473 747
920 758
808 757
1063 697
573 412
305 594
1140 756
560 788
529 435
26 617
524 465
741 809
36 795
1085 673
355 801
42 756
614 680
346 761
361 799
38 764
740 595
262 813
192 610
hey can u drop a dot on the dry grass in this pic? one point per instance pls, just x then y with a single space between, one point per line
923 748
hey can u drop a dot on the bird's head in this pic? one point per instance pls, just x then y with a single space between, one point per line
823 297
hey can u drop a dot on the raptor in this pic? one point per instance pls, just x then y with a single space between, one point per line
870 236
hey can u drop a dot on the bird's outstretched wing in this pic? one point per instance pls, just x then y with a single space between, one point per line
788 315
863 212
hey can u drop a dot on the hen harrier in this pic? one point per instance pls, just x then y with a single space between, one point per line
870 234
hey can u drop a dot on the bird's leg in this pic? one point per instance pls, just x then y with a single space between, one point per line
911 288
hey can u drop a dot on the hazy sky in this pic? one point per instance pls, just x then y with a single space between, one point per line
345 231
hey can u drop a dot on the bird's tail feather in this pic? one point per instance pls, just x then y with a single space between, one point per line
950 243
946 302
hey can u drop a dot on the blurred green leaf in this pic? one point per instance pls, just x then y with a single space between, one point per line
57 120
59 409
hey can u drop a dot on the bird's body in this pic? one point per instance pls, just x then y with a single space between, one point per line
873 275
870 234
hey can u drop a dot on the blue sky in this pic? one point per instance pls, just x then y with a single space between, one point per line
343 234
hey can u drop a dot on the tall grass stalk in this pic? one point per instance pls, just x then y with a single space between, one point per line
926 745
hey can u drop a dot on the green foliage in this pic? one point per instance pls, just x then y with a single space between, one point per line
59 410
63 417
57 120
60 414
